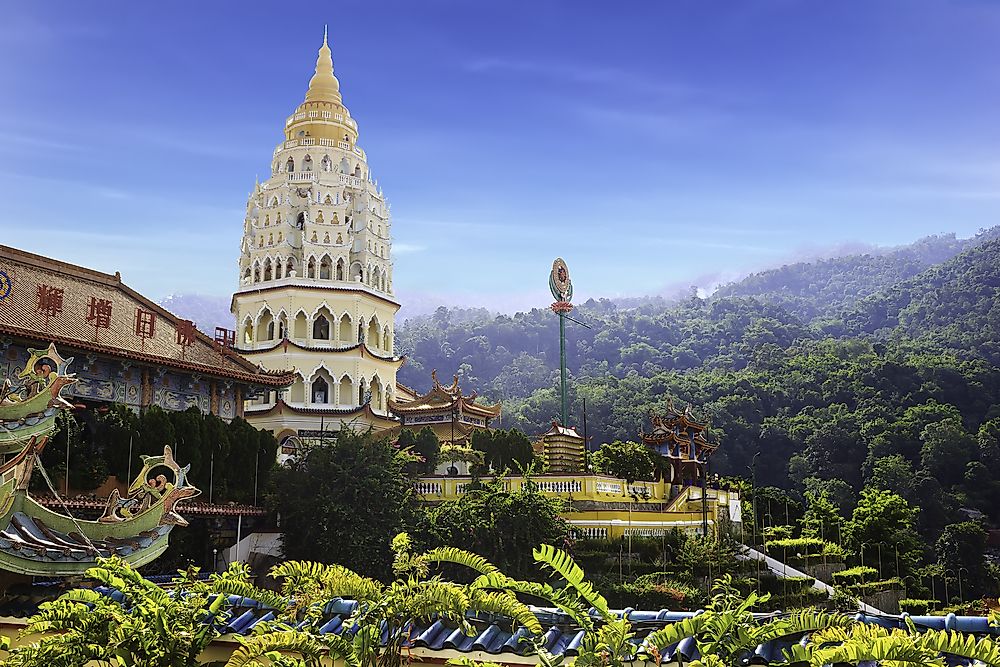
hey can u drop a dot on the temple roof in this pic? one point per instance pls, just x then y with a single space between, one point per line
559 429
280 406
43 299
445 397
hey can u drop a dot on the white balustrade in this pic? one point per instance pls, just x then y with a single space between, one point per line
609 487
427 488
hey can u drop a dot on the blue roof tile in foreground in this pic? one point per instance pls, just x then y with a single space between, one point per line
561 637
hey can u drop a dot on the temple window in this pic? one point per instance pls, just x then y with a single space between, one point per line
344 328
256 273
270 330
325 267
319 217
248 332
326 238
270 239
300 222
320 391
280 237
277 267
278 219
290 165
290 267
307 163
340 264
312 265
267 220
346 389
321 328
328 200
357 170
267 269
340 239
326 164
313 238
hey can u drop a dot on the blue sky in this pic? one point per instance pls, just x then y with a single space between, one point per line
651 144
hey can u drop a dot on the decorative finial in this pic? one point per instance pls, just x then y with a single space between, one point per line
324 87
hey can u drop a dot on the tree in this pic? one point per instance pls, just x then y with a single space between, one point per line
501 525
424 445
961 547
947 449
627 460
343 500
885 519
892 473
503 450
822 518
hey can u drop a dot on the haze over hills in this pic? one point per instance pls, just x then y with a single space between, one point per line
788 285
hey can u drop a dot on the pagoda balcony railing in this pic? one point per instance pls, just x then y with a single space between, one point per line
581 487
319 141
321 115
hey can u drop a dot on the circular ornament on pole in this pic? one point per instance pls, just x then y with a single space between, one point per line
559 283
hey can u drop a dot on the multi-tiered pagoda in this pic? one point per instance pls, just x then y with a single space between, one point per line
680 438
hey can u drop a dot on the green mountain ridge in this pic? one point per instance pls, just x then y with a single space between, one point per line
896 387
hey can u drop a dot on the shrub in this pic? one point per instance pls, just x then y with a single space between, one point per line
854 575
914 606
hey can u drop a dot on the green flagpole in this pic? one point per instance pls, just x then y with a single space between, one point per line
562 291
562 369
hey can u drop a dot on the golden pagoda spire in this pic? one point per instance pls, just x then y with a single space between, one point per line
323 86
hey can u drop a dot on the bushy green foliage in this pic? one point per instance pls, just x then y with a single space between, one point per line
425 445
342 500
501 525
854 575
626 460
916 606
504 450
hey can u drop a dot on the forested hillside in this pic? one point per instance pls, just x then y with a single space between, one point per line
898 388
824 288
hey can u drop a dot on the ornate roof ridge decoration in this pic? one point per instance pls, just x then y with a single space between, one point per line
362 346
244 370
445 397
39 541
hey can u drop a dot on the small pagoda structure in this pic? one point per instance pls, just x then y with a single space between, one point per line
680 438
453 416
562 449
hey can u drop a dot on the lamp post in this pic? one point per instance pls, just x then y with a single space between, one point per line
961 595
753 495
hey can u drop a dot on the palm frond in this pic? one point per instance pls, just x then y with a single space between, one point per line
563 564
658 640
961 645
259 650
459 557
506 604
